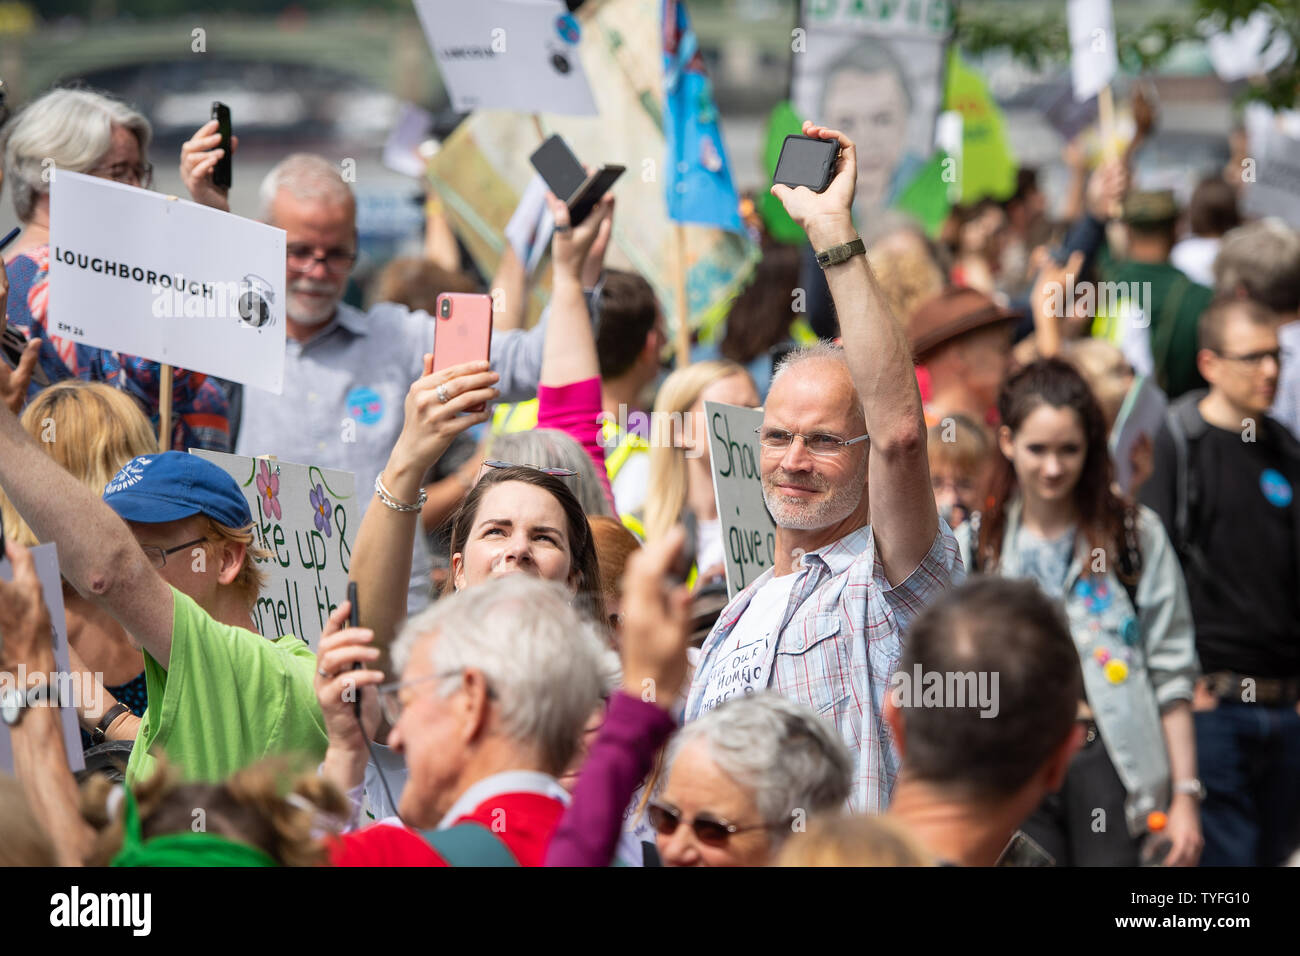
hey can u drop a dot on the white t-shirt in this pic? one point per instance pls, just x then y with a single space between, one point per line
739 665
1194 257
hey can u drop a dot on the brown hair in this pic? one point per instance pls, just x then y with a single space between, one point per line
1214 320
1056 383
416 283
582 548
967 453
263 806
614 545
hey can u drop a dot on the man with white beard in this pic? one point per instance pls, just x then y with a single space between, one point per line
346 372
824 626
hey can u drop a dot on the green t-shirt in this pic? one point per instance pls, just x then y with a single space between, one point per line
1176 304
227 698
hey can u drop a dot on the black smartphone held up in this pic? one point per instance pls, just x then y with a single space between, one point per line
565 176
221 171
681 569
354 620
805 161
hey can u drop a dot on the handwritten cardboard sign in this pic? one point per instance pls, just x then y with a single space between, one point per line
748 529
168 280
70 686
307 518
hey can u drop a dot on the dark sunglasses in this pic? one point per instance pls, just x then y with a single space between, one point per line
553 472
709 831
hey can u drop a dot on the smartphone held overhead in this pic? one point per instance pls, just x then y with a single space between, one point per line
569 180
221 171
805 161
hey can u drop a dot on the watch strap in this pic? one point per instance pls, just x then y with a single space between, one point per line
100 732
841 253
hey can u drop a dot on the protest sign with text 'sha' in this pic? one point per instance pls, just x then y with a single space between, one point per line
508 55
72 688
166 279
748 531
1093 56
306 519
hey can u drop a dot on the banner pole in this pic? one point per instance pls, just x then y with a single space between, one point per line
164 407
683 313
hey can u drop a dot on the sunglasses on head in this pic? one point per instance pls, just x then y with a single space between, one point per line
708 830
553 472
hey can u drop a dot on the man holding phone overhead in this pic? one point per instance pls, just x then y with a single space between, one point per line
842 431
346 372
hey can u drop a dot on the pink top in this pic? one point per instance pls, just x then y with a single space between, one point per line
575 410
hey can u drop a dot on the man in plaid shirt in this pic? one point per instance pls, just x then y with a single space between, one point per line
824 626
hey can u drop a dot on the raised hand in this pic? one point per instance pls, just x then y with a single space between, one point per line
571 245
833 207
656 623
199 155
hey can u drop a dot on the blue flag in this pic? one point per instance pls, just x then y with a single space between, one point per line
699 187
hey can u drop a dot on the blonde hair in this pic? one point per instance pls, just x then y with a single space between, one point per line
1106 371
858 840
666 490
251 578
89 428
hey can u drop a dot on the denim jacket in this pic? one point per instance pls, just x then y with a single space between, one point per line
1134 664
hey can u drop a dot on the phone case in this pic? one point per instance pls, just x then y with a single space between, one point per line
464 329
828 169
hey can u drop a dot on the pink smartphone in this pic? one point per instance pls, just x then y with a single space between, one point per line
464 329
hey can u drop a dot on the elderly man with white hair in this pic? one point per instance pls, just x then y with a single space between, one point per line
82 131
860 550
498 683
346 372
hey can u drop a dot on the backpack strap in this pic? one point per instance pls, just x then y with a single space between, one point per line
469 844
1186 425
1130 556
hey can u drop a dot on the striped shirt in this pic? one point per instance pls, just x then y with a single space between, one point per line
840 639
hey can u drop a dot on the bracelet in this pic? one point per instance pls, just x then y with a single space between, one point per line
392 502
841 253
101 729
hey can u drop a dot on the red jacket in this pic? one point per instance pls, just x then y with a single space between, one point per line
524 822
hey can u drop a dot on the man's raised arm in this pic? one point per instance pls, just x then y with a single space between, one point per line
903 515
97 552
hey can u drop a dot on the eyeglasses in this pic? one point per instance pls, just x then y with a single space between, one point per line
820 445
390 695
708 830
553 472
126 174
1254 358
158 556
303 258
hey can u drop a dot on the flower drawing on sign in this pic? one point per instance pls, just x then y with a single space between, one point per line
268 489
321 505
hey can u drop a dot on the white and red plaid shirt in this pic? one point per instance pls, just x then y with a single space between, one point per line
839 643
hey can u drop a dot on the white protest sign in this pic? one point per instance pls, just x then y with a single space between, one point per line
136 272
517 55
1247 49
70 686
1093 60
749 533
307 518
402 148
1140 416
1274 187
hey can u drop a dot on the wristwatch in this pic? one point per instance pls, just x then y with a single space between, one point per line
841 253
1191 787
98 735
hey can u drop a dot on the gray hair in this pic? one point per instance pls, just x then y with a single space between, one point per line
1263 259
551 448
788 756
543 660
72 128
305 176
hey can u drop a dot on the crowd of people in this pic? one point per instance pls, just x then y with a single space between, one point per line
992 634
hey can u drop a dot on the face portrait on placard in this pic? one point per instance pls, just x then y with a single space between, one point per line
883 93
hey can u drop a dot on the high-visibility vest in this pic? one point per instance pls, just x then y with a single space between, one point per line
619 444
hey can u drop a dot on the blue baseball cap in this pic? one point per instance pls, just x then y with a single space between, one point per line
151 489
